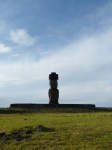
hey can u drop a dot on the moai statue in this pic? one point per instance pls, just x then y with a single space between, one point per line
53 91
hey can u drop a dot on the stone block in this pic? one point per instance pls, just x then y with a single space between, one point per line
53 76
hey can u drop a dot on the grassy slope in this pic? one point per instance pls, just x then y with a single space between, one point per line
73 131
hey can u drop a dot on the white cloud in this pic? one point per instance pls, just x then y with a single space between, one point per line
21 37
4 49
84 69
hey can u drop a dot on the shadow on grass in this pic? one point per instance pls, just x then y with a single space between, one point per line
41 128
24 133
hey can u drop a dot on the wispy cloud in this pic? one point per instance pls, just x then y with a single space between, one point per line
4 48
83 65
21 37
84 69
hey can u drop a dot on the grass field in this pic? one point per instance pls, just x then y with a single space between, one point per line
61 129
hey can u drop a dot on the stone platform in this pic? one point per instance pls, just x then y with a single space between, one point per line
31 105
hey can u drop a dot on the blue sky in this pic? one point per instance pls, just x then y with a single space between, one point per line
70 37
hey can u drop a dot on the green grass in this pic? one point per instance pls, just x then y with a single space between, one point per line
73 129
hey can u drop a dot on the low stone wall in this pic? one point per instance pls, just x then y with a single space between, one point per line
30 105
